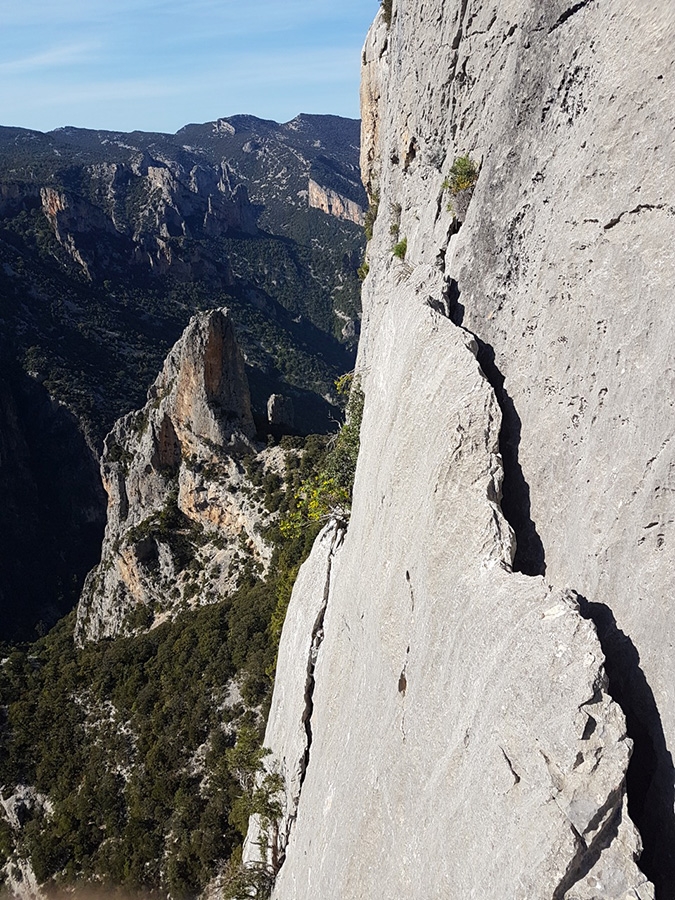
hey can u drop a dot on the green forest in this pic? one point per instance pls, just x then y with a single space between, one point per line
134 740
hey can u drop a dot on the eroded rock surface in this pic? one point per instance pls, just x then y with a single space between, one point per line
452 696
138 209
179 500
334 203
468 736
291 714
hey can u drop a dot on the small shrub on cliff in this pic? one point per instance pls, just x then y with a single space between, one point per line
387 9
241 882
262 793
371 215
399 250
463 175
118 454
395 210
460 182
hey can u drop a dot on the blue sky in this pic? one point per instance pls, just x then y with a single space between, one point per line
156 65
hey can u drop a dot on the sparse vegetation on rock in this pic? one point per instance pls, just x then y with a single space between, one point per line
387 10
400 249
460 183
371 215
328 493
463 175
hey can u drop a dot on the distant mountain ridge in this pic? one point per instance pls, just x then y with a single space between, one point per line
323 148
232 208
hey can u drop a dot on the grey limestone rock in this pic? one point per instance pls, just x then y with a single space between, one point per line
290 717
463 741
280 410
508 563
333 203
168 200
17 809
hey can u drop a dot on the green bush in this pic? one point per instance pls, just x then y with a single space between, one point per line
327 494
387 9
399 250
463 175
371 215
149 705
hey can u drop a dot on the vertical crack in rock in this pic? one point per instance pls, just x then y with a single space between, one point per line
587 855
457 40
516 776
315 646
317 638
650 776
529 558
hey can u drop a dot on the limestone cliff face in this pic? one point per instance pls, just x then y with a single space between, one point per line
135 210
333 203
508 569
179 501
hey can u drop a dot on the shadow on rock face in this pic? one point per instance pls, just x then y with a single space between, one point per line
530 557
53 507
650 779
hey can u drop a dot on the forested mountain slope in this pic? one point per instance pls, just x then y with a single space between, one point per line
109 243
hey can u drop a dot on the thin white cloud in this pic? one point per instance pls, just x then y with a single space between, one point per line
53 57
46 13
201 59
255 15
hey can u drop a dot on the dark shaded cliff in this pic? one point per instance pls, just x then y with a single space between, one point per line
53 507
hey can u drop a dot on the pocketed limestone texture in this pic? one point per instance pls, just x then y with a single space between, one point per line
497 637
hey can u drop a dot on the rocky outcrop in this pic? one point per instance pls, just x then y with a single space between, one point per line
179 500
290 718
334 204
75 221
495 631
217 213
280 411
454 701
16 810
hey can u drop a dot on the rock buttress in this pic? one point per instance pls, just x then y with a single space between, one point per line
179 501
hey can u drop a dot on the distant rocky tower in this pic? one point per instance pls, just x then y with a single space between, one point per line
179 508
464 675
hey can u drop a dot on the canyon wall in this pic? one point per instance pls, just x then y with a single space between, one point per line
333 203
496 629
